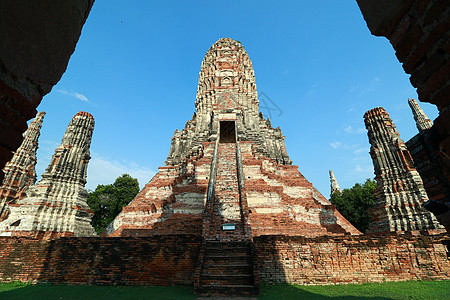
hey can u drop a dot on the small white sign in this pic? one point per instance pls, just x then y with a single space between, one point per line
229 226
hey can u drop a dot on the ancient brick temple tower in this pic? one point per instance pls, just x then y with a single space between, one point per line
228 178
56 205
400 193
20 171
228 175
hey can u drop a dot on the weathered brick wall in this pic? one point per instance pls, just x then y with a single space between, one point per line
158 260
351 259
167 260
432 168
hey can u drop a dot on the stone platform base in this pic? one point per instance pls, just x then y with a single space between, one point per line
172 259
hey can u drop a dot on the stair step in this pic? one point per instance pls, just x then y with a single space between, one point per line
225 271
217 258
226 280
229 268
226 290
227 252
213 243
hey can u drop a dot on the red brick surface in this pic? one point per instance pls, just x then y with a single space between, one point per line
160 260
352 259
171 259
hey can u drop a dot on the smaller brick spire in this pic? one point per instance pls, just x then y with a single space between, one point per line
400 194
422 120
20 171
334 184
56 205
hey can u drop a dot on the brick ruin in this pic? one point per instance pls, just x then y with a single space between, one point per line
418 33
228 178
229 166
227 210
20 172
400 193
56 205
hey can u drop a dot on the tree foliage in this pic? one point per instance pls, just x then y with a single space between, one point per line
353 203
107 200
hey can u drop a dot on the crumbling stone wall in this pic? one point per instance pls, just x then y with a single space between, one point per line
351 259
37 40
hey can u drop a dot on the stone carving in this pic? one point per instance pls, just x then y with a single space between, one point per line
400 193
334 184
56 205
256 189
422 121
20 172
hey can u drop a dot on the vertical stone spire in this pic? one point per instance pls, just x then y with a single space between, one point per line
334 184
20 172
400 193
422 121
56 205
227 90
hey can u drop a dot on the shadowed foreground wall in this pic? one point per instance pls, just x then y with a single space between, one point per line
351 259
166 260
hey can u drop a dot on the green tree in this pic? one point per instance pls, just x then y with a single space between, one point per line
353 203
107 200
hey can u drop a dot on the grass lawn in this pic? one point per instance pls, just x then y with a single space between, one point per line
391 290
435 290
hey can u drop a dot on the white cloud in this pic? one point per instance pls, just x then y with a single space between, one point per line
76 95
313 89
361 150
336 145
104 171
349 129
376 80
367 169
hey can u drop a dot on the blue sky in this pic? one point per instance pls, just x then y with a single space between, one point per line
136 65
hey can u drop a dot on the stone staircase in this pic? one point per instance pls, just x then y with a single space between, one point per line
226 207
226 267
227 270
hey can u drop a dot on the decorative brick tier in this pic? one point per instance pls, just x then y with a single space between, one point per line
352 259
282 201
